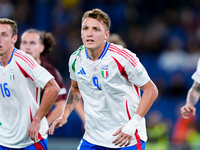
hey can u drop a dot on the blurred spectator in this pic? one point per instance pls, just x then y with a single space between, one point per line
7 9
185 133
173 58
158 132
153 36
193 53
176 88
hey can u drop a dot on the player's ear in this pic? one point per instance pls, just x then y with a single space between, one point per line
107 35
42 48
14 39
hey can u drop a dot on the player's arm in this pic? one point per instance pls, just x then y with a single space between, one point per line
125 134
57 111
150 93
192 98
51 91
80 111
61 99
74 96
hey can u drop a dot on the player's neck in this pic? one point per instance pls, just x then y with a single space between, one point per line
94 54
5 58
38 61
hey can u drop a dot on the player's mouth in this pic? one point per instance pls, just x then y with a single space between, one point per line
28 53
90 41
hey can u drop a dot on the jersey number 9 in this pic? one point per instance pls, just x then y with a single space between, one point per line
96 82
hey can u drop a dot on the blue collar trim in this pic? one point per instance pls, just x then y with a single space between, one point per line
102 54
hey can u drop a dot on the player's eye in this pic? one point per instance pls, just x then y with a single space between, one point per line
24 42
4 35
32 43
96 29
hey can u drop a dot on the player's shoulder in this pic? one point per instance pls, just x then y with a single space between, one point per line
78 51
119 50
76 54
116 46
21 55
24 59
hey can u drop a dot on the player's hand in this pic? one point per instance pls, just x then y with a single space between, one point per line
33 130
56 124
123 139
188 108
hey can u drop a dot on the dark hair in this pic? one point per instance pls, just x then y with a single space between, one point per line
12 23
45 38
98 14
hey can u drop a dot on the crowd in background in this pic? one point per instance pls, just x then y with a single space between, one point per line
165 35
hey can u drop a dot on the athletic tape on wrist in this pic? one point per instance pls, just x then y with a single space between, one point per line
131 127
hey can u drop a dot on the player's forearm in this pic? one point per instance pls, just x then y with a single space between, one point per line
50 94
150 93
192 96
73 98
80 111
57 111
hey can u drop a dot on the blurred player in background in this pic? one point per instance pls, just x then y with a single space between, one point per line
23 123
116 39
37 44
193 95
108 77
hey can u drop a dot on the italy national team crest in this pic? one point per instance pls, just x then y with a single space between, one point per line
12 77
104 71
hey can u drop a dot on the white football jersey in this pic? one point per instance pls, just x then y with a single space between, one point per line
18 82
196 75
110 90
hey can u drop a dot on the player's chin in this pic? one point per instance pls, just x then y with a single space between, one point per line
89 45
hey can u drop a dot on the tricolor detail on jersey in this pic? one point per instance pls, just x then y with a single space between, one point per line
12 77
104 71
123 53
30 62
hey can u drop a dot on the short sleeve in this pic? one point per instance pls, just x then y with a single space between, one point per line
72 63
196 75
32 69
136 72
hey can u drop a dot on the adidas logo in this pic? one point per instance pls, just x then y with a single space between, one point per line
82 71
